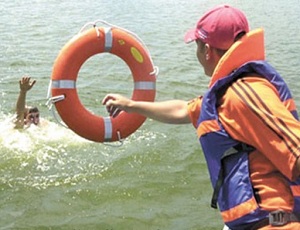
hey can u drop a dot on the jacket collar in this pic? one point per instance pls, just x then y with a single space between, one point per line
249 48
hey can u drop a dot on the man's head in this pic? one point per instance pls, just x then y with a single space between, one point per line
216 31
32 116
219 27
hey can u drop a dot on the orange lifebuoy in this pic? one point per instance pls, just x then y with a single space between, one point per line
65 71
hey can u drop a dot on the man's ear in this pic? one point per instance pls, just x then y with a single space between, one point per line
207 50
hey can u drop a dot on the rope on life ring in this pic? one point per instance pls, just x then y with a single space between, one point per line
81 47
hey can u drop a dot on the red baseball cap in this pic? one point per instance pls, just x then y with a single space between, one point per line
219 27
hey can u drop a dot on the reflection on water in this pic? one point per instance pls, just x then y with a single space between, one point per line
50 178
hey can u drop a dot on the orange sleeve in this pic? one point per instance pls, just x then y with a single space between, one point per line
194 107
252 112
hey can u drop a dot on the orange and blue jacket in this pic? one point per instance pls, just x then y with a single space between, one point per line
248 129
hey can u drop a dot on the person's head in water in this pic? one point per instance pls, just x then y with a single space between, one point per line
32 116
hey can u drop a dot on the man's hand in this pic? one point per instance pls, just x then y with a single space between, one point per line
26 84
115 103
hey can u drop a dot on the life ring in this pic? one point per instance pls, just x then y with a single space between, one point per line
65 71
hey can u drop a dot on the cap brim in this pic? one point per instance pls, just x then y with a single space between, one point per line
190 36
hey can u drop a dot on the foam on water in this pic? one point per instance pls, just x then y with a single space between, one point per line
50 155
35 136
40 156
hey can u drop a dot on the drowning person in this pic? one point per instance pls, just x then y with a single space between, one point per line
25 115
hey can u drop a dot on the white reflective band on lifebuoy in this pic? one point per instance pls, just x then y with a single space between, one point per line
107 128
108 40
63 84
144 85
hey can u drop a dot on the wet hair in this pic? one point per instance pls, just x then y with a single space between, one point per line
33 110
29 110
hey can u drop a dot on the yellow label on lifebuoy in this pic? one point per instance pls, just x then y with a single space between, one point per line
121 42
137 55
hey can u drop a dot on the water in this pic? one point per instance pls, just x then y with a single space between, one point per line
53 179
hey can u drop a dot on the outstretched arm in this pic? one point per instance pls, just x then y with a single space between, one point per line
172 112
25 85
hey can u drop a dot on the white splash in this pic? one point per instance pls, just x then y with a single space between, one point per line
26 140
